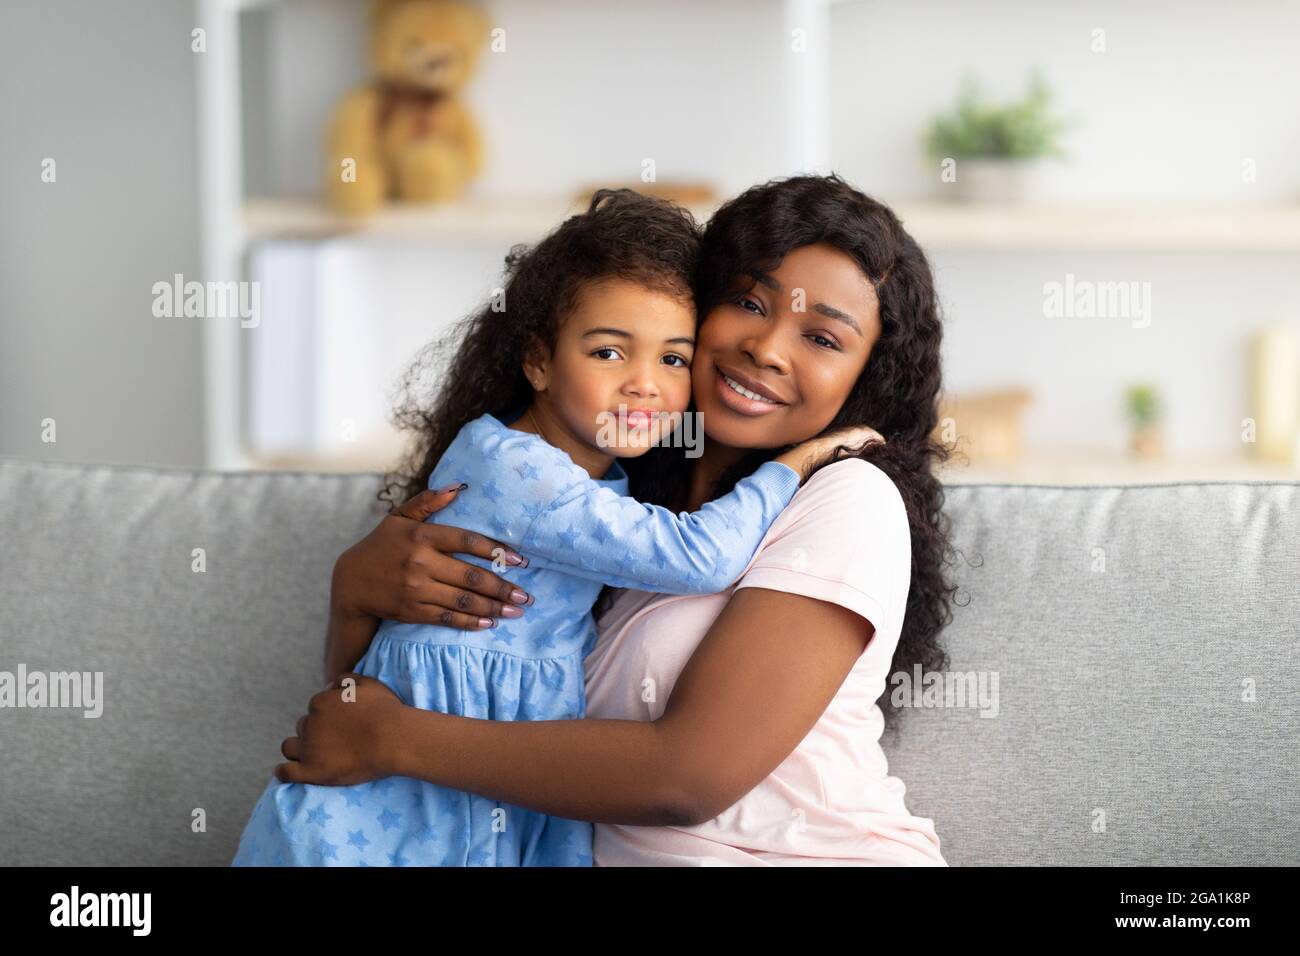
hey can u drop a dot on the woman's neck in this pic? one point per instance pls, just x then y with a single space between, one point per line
709 467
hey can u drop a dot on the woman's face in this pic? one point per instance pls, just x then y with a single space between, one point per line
796 342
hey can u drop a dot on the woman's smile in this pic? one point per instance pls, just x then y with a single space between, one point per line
741 399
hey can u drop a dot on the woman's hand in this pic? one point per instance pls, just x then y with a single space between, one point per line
403 571
806 456
344 738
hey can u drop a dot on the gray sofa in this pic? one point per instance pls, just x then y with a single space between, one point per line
1144 641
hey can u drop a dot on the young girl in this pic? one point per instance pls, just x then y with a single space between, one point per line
590 361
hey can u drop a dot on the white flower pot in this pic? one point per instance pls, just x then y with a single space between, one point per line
998 180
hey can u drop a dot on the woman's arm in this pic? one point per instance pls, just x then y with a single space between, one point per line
403 571
755 686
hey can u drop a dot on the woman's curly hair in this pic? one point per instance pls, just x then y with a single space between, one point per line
477 367
897 393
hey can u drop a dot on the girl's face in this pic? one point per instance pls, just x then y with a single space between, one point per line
774 363
620 366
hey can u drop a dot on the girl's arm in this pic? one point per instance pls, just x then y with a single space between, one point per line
588 530
755 686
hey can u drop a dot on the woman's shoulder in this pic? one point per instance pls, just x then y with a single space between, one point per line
844 538
846 489
846 513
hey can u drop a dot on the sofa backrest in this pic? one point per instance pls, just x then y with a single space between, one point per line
1136 648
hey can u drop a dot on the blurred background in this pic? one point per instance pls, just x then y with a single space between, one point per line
195 270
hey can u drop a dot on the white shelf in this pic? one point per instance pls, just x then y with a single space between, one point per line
374 453
1253 227
378 453
936 225
1109 468
495 220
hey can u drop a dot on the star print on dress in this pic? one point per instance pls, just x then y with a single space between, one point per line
579 534
318 816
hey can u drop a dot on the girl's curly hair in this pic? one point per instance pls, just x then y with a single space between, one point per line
477 367
897 393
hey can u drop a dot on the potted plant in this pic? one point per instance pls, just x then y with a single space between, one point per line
1142 404
997 151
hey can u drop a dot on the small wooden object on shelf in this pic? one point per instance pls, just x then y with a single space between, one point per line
683 193
985 425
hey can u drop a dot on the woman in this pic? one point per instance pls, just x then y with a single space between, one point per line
739 728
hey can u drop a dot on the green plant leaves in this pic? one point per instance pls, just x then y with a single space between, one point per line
1027 129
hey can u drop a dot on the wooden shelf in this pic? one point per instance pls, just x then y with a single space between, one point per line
936 225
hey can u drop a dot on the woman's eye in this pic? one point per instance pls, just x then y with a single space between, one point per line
670 357
823 341
600 353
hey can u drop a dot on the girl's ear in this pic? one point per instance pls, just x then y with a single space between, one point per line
536 366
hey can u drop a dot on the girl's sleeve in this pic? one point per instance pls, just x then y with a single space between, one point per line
590 531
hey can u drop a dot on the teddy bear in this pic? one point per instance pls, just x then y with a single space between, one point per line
405 135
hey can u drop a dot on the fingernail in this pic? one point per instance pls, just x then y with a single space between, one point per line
456 487
516 559
519 597
509 611
486 622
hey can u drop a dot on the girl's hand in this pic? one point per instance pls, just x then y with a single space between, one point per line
806 456
402 571
344 738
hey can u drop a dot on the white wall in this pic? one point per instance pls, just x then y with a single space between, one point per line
1195 348
1182 95
1184 92
107 91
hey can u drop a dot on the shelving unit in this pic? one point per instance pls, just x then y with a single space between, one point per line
231 222
935 224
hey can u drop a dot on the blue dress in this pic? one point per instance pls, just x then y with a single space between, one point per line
577 533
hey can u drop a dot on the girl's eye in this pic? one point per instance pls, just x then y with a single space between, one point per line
823 341
745 301
610 349
673 355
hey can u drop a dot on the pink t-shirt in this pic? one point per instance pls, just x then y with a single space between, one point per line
844 539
